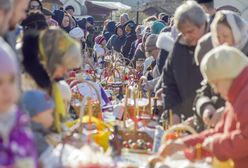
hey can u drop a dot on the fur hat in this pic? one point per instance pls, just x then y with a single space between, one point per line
165 41
223 62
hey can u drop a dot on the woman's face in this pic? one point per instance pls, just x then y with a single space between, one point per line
66 21
59 72
222 87
45 118
104 43
119 32
225 35
8 92
34 7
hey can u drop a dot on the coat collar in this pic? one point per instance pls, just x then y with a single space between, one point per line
238 84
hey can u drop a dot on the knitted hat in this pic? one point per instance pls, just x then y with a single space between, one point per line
150 44
157 27
8 63
99 39
76 33
223 62
36 101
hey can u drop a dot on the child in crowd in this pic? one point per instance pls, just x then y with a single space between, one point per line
40 107
99 48
17 148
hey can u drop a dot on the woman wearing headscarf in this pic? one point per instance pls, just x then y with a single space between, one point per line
53 53
226 28
117 40
225 69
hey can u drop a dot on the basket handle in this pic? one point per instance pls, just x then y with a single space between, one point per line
144 79
180 127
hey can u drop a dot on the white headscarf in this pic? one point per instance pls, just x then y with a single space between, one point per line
238 26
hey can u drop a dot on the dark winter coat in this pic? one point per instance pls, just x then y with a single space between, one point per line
181 79
163 54
116 42
130 38
133 48
110 30
139 55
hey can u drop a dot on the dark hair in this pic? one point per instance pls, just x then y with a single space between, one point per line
70 7
209 5
119 26
166 19
31 61
35 21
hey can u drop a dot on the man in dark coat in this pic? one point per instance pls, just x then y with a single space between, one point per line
181 76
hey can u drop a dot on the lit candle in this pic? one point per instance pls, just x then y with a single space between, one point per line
171 117
126 108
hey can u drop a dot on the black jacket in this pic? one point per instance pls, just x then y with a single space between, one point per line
116 42
139 55
181 79
130 38
205 96
163 55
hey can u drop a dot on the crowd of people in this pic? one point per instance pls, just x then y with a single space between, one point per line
195 62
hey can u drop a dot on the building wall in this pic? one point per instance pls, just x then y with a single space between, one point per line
80 9
241 5
132 3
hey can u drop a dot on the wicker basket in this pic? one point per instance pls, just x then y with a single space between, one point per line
96 105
